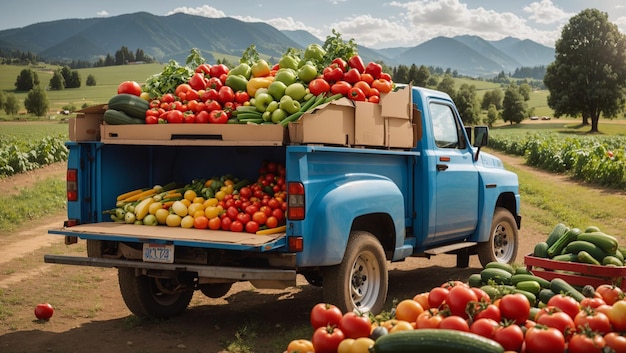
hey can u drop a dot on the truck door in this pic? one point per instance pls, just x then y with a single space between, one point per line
455 176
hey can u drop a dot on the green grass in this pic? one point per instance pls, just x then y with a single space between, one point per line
31 133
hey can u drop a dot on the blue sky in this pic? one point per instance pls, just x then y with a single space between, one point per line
376 24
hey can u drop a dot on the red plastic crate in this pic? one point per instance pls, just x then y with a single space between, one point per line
574 273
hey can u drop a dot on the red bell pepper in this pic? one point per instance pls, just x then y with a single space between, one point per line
374 69
332 74
341 87
352 76
356 94
356 62
340 63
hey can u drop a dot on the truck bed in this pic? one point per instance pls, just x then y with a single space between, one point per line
176 236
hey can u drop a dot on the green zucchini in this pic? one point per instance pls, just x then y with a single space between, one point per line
545 295
612 261
562 242
475 280
522 270
116 117
130 104
582 245
501 265
586 258
532 298
530 286
560 286
541 250
568 257
619 255
491 291
591 229
544 283
497 275
435 340
604 241
556 233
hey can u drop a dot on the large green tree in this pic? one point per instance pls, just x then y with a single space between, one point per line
12 105
588 75
26 80
37 101
467 104
513 106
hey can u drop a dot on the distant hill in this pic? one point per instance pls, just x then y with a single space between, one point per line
173 36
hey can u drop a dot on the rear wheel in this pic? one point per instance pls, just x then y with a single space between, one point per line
215 290
150 297
361 280
503 240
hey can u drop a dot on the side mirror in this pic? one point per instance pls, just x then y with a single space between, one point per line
481 134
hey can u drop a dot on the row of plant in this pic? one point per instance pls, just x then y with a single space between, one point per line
17 156
598 160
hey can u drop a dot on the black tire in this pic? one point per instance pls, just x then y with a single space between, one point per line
361 280
314 278
215 290
503 239
148 297
94 248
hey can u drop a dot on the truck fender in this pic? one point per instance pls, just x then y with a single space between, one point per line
338 206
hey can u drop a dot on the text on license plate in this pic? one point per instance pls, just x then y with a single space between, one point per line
158 253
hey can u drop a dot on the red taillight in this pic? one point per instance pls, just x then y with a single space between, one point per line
296 244
72 184
295 203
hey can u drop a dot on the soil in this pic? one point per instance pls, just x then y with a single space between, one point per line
90 314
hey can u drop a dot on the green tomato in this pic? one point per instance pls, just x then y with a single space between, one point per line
278 115
297 91
307 73
150 220
277 89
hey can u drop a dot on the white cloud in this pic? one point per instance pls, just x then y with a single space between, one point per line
102 13
621 24
372 32
545 12
205 11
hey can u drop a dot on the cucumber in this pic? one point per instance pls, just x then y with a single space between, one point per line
612 261
541 250
475 280
568 257
530 286
619 255
530 296
604 241
545 295
491 291
586 258
559 286
544 283
502 266
561 243
435 340
129 104
591 229
556 233
522 270
116 117
498 275
582 245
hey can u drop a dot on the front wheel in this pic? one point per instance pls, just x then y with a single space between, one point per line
149 297
360 281
503 239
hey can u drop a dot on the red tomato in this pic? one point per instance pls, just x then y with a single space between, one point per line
516 307
616 341
541 339
484 327
324 314
241 97
592 302
201 222
225 94
175 117
44 311
457 299
597 321
129 87
610 293
481 295
583 342
617 315
437 296
554 317
355 325
454 322
226 222
566 303
259 217
487 311
510 337
218 70
326 339
243 218
236 226
271 222
319 85
218 117
252 227
215 223
429 319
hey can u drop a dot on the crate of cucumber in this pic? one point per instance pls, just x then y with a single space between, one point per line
579 257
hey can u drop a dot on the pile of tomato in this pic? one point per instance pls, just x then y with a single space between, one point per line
595 324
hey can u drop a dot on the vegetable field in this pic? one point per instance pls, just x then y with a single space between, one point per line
595 159
28 146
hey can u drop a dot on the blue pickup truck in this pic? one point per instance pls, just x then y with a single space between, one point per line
356 210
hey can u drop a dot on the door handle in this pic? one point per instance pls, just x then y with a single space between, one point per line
442 167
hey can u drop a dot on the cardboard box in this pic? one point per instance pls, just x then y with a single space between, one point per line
86 125
401 129
331 123
369 125
397 104
194 134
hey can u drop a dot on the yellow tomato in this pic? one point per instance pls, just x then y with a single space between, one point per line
345 345
211 202
361 345
198 199
190 195
408 310
161 215
186 202
401 325
154 207
228 189
180 208
187 222
211 212
195 207
173 220
300 346
220 195
228 182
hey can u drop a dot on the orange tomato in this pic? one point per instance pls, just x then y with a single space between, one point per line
408 310
300 345
422 298
200 222
215 223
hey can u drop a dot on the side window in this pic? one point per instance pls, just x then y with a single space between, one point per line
445 129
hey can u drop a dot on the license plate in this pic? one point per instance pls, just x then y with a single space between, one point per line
158 253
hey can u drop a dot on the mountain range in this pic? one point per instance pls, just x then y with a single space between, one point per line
173 36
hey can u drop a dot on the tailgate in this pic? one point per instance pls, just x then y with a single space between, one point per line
202 238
